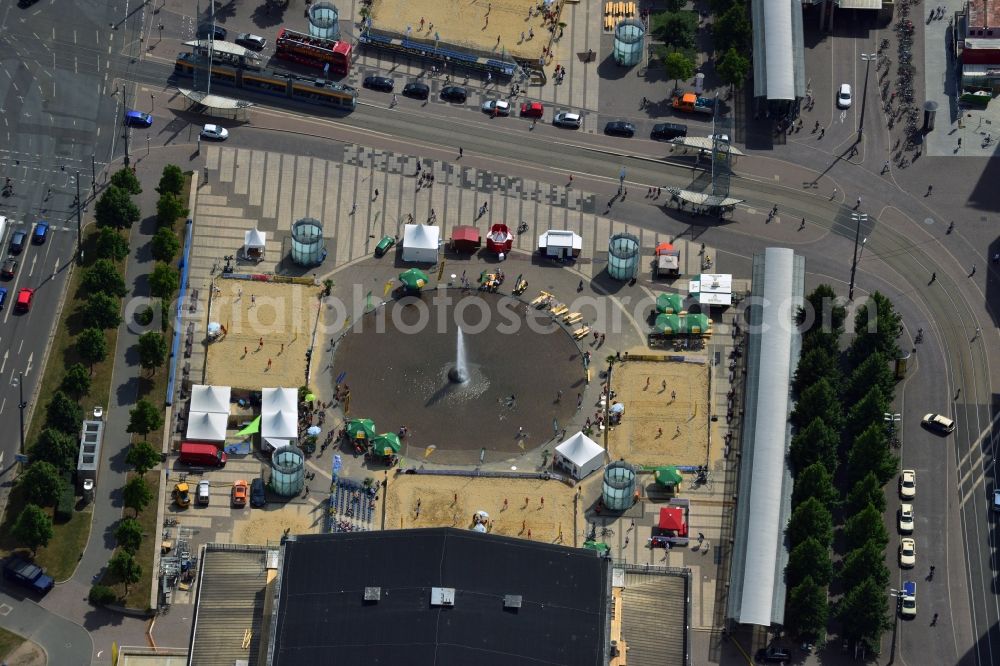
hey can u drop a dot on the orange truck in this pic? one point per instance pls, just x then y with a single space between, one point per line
691 103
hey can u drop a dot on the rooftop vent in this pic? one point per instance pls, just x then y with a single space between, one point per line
442 596
373 594
512 601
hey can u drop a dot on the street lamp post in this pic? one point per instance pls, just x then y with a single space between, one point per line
21 405
858 219
152 102
867 57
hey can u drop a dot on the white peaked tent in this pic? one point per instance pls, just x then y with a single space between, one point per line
213 399
207 427
579 455
254 241
279 400
420 243
278 428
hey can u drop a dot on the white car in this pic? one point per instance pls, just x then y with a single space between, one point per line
938 423
908 599
907 553
567 119
844 96
908 484
98 413
996 499
724 138
204 493
905 518
215 132
500 106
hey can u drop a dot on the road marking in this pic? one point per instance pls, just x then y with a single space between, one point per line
34 258
4 365
20 347
5 609
27 370
2 405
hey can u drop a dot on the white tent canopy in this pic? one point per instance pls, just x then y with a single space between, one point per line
282 425
214 399
207 427
579 455
255 239
560 242
420 243
279 400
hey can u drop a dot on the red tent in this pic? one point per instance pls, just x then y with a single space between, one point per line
500 239
672 519
466 238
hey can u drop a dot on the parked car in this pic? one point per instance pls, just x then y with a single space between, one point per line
996 493
567 119
908 484
214 132
258 497
9 267
908 599
3 297
138 119
620 128
216 32
204 492
532 110
774 655
907 553
251 41
844 96
383 83
25 296
668 131
938 423
905 518
417 90
384 245
17 241
28 574
41 232
239 493
500 107
454 94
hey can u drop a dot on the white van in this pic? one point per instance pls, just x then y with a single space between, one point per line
567 119
3 227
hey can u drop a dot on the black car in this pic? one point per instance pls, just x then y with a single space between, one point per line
619 128
417 90
251 41
17 242
257 496
668 131
774 655
383 83
206 30
454 94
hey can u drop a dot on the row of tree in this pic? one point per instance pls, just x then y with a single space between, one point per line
826 380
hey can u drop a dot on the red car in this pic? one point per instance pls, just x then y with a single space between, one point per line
240 492
24 297
532 110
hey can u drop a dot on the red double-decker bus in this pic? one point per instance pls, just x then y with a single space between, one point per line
313 52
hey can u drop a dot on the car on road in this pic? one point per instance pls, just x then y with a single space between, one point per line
257 496
216 32
17 241
383 83
25 296
239 493
908 484
9 268
724 138
567 119
844 96
938 423
454 94
620 128
40 233
907 553
204 494
774 655
908 599
996 492
214 132
532 110
384 245
251 41
905 518
668 131
498 107
3 297
138 119
417 90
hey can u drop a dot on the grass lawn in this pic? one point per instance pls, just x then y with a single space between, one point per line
8 643
59 558
138 594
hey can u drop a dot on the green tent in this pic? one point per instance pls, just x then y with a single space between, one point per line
689 324
697 324
252 428
667 476
361 429
414 278
669 303
386 444
669 324
599 546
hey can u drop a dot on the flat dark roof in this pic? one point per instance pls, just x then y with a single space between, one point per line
322 617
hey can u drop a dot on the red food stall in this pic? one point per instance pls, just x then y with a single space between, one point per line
465 238
500 239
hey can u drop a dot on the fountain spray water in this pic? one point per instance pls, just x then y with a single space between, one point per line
459 374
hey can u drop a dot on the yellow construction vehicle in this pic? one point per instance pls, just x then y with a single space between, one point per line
182 495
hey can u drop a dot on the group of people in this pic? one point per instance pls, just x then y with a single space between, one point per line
560 73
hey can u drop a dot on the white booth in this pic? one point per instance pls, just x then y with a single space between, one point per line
560 243
420 243
254 241
579 455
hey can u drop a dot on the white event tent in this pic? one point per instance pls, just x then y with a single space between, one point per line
279 416
208 416
579 455
420 243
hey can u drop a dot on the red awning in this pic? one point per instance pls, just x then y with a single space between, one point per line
664 247
673 519
465 233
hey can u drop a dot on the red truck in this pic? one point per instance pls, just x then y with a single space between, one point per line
208 455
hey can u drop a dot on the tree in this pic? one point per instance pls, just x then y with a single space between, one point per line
733 68
807 610
814 481
110 244
864 613
867 491
126 180
877 327
873 371
136 494
33 527
102 595
103 276
172 180
165 245
809 558
128 534
102 311
168 209
817 442
163 281
116 209
57 448
823 312
674 5
124 567
870 410
675 29
811 519
731 29
818 400
77 381
678 66
815 364
142 457
870 454
865 526
42 483
144 418
63 413
92 346
862 563
152 350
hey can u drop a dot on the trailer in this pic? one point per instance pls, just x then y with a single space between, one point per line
668 261
689 102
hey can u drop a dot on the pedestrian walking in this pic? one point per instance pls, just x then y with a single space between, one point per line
659 433
978 331
282 350
579 287
626 543
245 351
376 194
531 33
558 396
354 208
934 620
822 131
253 299
858 204
663 385
579 400
802 224
973 271
268 364
260 343
673 396
930 188
460 151
933 277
